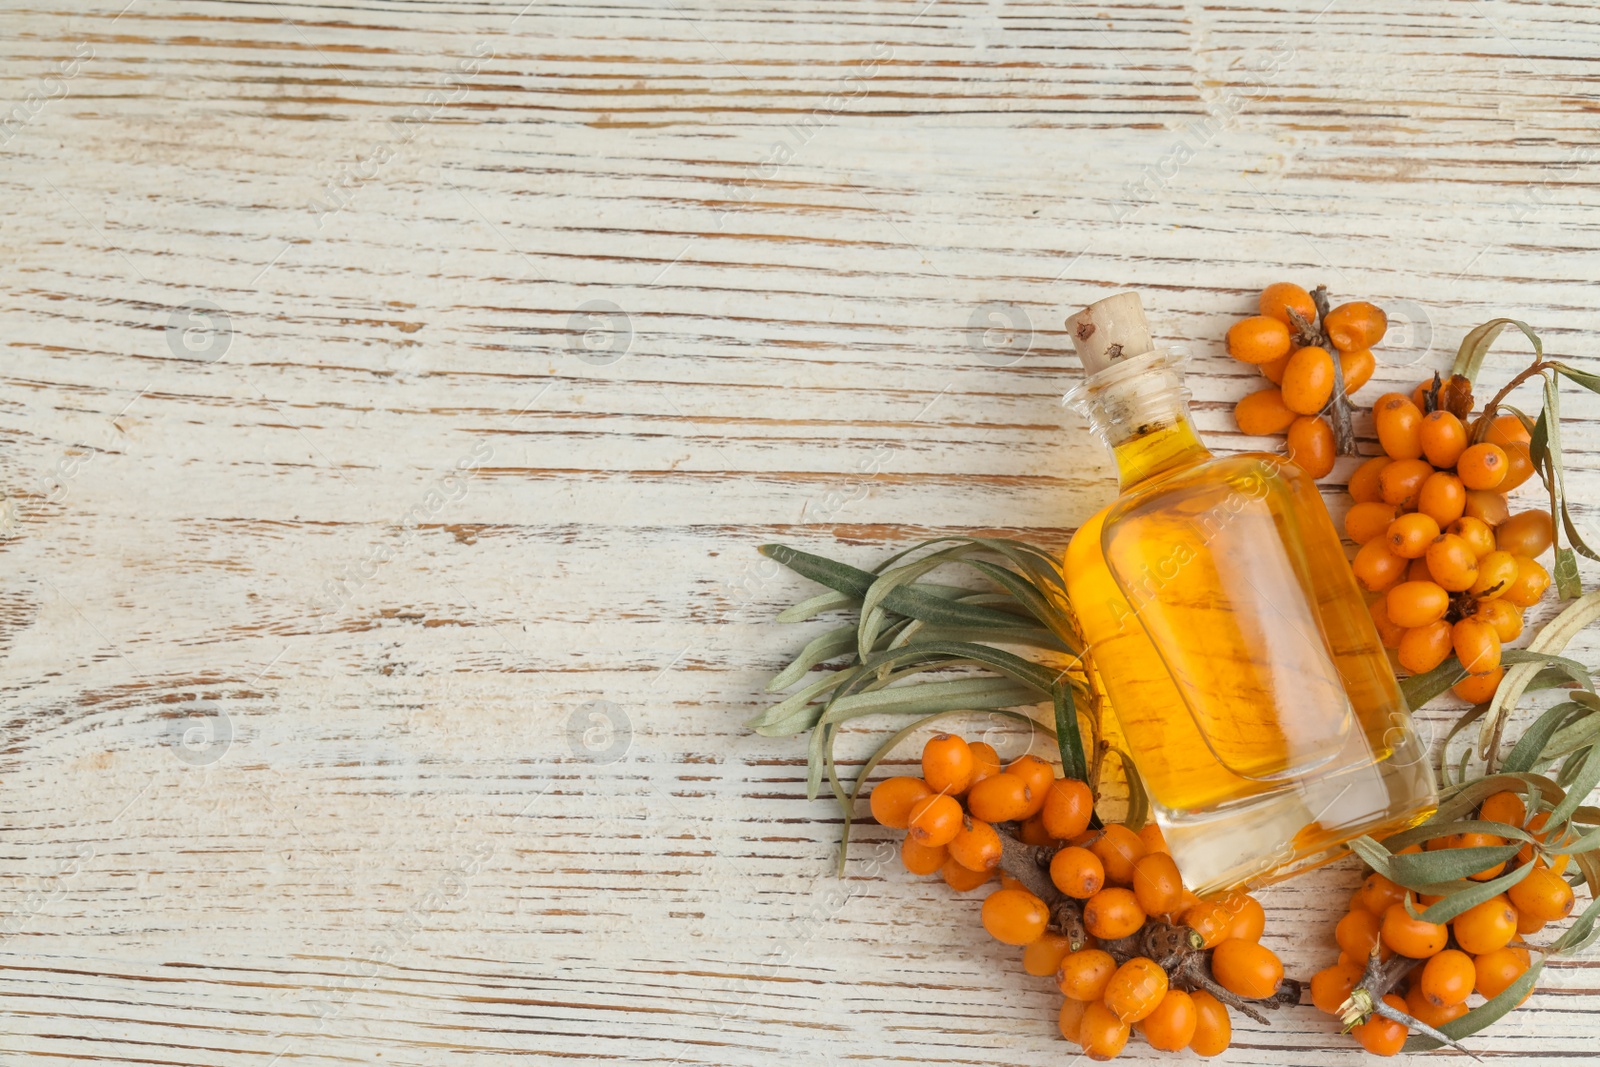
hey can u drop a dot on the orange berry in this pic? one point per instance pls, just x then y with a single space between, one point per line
1246 968
1416 603
1213 1030
1527 533
1043 958
1039 775
1211 921
1506 807
1487 506
1508 432
1112 913
1171 1026
935 820
1364 487
1310 444
1101 1033
1370 519
1263 412
1389 632
1279 298
1119 848
1258 339
1273 369
1070 1019
1249 920
1543 895
1014 916
1308 380
1331 986
1357 933
1154 840
1156 883
1068 807
1496 572
1136 989
1442 498
1399 426
1000 798
947 764
1411 937
961 878
1083 974
1032 832
1443 438
1423 648
1483 466
1529 585
1410 535
1382 1036
1355 325
1504 616
985 761
1452 563
1376 568
1497 970
1357 368
892 799
1077 872
919 858
1378 892
1434 1015
1401 482
1479 688
1477 645
1447 978
1478 535
976 845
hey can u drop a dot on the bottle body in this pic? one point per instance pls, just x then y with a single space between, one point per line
1237 651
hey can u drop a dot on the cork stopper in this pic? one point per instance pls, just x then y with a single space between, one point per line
1110 331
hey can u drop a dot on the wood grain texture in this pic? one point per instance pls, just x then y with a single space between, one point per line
375 662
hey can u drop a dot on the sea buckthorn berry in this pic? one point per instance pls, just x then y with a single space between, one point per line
1377 892
1487 506
1508 432
1483 466
1211 921
1452 563
935 820
1357 368
1434 1015
1279 298
985 761
1401 482
1487 926
1506 807
1068 807
1380 1035
1423 648
1031 831
1527 533
1528 924
1357 932
1389 632
1529 585
892 799
1443 438
1070 1019
1077 872
1170 1027
1272 370
1308 380
1442 498
1411 937
1156 883
1543 895
1083 974
961 878
976 845
1364 487
1416 603
1357 324
1504 616
1101 1033
1039 775
1136 989
1263 413
1478 535
1154 840
1479 688
1213 1030
1370 519
1411 534
1000 798
1418 571
1014 916
1249 920
1112 913
947 764
1375 567
1310 444
1497 970
1447 978
1331 986
919 858
1246 968
1042 959
1477 645
1258 339
1119 848
1496 572
1399 426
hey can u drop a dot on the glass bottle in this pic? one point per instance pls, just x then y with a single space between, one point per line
1227 632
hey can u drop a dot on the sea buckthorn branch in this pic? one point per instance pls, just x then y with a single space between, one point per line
1338 409
1366 1000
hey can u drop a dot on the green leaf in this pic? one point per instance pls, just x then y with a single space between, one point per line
1454 904
784 718
810 608
1421 688
1583 781
1565 573
1469 357
1447 864
819 649
1583 378
1074 764
1534 739
1553 638
1027 595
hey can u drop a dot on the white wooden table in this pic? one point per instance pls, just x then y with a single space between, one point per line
394 394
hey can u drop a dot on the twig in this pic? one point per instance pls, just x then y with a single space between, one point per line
1026 864
1338 406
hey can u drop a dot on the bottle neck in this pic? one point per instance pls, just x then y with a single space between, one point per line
1140 409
